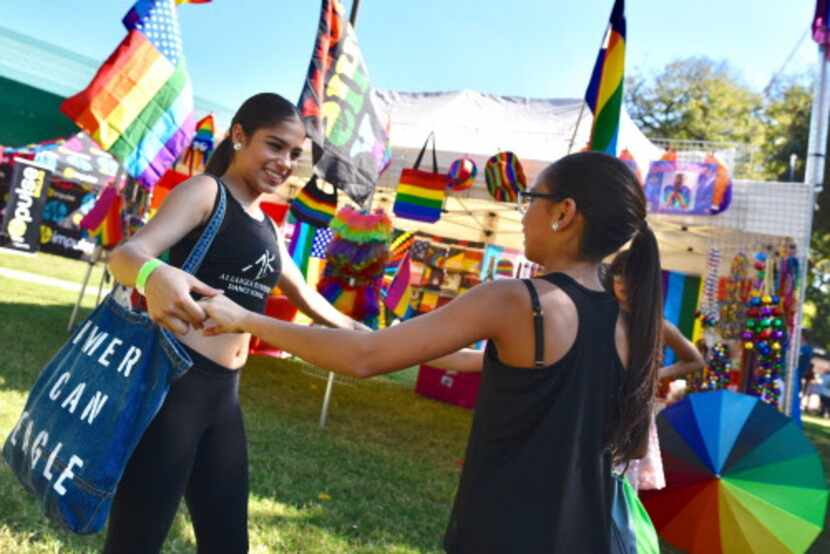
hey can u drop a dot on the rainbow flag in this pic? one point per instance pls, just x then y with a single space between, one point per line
681 293
399 296
178 2
139 106
196 156
605 91
104 220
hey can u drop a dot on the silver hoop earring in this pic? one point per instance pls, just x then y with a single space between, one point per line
555 227
237 146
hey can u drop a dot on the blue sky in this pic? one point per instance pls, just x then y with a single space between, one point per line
536 48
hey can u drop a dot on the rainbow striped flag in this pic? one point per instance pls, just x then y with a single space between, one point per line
605 91
399 296
196 156
139 106
178 2
104 220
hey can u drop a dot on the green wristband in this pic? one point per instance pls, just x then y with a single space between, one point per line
144 273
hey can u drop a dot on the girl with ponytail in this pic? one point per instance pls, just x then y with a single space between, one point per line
621 277
567 380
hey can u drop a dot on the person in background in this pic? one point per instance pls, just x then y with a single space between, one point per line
647 473
824 395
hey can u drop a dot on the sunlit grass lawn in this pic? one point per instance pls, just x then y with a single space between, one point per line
380 478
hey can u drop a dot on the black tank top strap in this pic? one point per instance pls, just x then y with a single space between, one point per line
538 325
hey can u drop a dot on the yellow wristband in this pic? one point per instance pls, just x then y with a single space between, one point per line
144 273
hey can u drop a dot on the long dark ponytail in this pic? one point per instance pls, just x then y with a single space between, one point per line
265 109
613 206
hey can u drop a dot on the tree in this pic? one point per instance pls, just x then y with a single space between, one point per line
786 128
695 99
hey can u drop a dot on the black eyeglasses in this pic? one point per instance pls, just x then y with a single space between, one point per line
526 197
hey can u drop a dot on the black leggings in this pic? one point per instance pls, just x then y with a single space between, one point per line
196 448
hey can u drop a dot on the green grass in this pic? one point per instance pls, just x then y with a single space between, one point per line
51 266
386 465
379 479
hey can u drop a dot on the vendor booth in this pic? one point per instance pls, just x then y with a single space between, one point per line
764 219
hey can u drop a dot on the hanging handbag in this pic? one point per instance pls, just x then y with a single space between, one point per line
313 205
505 177
632 531
92 403
421 193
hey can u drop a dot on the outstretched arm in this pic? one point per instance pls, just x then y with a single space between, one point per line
689 358
443 331
465 360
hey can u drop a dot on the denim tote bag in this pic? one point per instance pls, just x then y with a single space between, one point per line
92 403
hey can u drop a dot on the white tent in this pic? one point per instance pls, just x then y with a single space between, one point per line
538 130
478 125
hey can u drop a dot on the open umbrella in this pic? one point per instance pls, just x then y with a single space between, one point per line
740 476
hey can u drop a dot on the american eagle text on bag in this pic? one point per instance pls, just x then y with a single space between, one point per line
109 352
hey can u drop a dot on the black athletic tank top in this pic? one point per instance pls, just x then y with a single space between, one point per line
537 474
243 260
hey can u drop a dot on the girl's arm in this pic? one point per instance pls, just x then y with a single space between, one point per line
465 360
307 299
438 333
168 288
689 358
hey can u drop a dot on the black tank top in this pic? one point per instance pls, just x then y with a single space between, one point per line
537 472
243 260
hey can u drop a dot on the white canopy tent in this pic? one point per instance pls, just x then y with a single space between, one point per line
479 125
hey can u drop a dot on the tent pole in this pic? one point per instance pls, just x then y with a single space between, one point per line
353 16
813 176
326 400
330 383
576 127
92 263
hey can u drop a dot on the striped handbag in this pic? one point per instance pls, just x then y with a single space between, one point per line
421 193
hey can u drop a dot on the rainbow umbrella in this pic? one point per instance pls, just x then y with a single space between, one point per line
740 477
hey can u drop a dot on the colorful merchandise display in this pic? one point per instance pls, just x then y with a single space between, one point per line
355 263
313 205
420 194
462 174
505 177
766 332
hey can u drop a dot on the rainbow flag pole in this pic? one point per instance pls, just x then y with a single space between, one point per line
604 95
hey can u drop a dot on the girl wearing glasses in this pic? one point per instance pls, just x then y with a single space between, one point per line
568 382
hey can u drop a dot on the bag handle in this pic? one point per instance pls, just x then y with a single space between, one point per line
423 149
197 253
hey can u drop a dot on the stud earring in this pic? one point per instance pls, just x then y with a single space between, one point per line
555 227
237 146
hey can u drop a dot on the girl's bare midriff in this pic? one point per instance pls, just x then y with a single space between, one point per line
230 350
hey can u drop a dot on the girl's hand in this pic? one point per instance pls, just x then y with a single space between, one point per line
169 300
224 315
